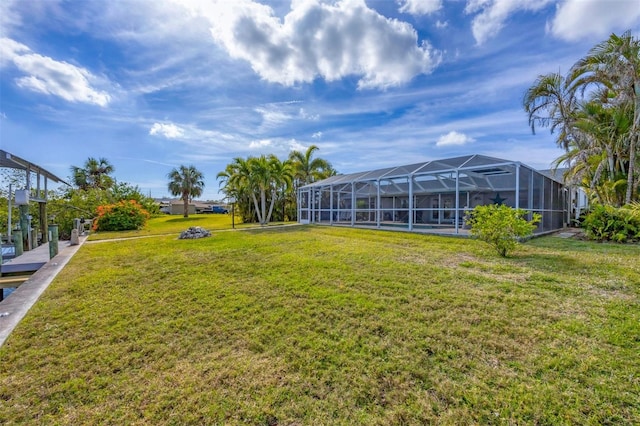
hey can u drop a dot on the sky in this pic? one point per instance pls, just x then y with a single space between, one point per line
151 85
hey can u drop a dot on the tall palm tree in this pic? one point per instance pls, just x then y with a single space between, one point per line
261 177
236 182
308 169
613 66
94 174
187 182
281 180
259 180
596 109
550 102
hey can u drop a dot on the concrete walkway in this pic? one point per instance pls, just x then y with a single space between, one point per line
16 306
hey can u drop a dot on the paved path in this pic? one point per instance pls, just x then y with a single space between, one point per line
16 306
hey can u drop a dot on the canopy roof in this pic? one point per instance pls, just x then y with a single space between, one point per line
476 168
14 162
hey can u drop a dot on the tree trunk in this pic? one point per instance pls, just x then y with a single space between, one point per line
635 128
273 199
255 203
185 200
263 201
632 160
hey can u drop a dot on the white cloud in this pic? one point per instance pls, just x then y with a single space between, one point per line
419 7
305 115
317 135
454 139
8 17
317 39
169 131
492 14
272 115
294 145
603 17
441 24
277 146
260 144
51 77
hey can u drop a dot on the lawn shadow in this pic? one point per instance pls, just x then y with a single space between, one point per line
552 262
280 229
185 219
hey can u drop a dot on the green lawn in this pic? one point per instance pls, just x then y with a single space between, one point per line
174 224
317 325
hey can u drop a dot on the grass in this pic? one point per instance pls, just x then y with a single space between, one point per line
174 224
320 325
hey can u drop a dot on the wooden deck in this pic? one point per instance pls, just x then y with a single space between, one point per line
17 270
30 261
14 307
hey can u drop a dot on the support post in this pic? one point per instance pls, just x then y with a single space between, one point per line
410 212
517 204
457 215
43 222
378 205
53 241
18 243
24 226
9 213
353 203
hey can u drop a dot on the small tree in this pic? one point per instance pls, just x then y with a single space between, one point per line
187 182
501 226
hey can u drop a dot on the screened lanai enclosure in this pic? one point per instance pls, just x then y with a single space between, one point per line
433 195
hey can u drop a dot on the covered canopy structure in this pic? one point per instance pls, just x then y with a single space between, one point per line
37 193
433 195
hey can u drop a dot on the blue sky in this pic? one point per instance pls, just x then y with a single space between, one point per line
151 85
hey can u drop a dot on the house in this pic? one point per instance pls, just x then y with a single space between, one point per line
433 195
175 206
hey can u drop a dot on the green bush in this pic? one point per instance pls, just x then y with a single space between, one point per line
122 216
607 223
501 226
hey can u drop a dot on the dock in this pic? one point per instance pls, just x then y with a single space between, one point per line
18 303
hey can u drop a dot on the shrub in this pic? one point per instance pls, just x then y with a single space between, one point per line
607 223
121 216
501 226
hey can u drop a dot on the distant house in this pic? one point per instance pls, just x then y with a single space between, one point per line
173 206
176 206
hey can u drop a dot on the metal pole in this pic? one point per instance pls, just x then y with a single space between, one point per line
410 218
9 213
457 215
517 185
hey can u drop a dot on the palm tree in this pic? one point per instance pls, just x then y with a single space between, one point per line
596 109
94 174
613 66
236 182
261 179
187 182
308 169
549 102
281 181
258 180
